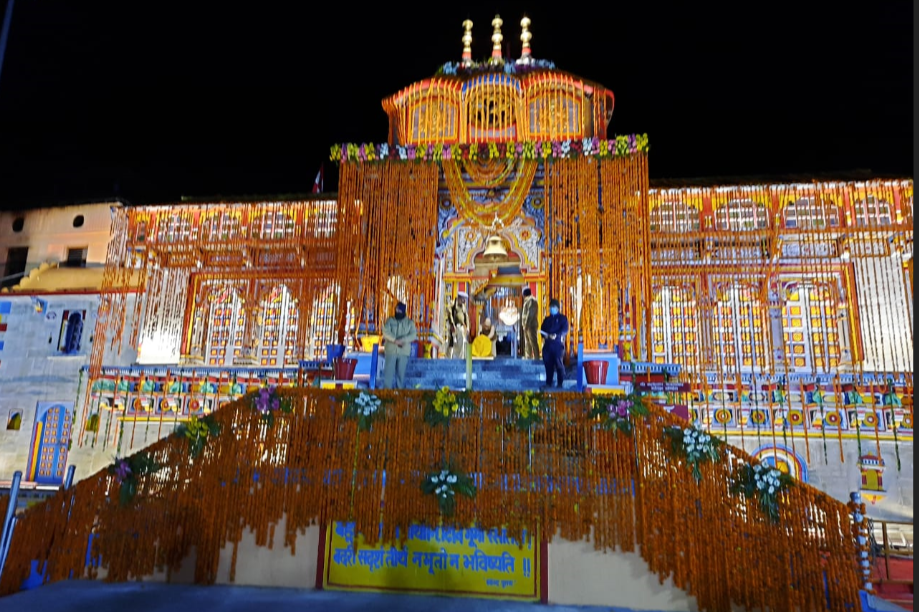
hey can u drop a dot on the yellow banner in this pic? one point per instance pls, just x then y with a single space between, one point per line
468 562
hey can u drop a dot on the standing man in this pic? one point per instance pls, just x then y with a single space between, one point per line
449 329
461 324
399 332
529 325
554 329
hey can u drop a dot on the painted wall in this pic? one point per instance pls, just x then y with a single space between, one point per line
49 232
824 470
35 372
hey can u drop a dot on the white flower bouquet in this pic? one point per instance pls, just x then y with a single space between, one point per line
763 483
363 407
445 485
694 446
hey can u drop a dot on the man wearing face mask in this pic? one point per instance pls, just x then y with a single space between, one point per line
554 329
399 332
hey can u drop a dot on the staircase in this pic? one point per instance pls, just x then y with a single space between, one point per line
487 374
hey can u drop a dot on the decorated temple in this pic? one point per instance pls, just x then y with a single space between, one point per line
775 315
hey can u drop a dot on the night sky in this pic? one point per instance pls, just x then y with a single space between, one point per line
152 101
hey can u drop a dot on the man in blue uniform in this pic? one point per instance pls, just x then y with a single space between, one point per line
554 329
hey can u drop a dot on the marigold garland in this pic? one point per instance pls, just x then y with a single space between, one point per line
579 481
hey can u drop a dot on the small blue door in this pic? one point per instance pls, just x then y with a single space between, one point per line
50 439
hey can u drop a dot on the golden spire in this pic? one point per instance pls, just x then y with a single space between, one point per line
467 43
496 39
525 37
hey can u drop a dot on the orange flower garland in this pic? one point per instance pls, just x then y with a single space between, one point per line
209 503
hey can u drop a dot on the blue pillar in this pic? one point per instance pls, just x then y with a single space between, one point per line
68 481
580 372
7 533
374 361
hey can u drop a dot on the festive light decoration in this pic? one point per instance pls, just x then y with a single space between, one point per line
656 516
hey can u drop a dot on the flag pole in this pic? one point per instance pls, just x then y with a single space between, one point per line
5 33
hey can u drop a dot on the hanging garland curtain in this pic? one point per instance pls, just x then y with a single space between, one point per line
598 247
398 201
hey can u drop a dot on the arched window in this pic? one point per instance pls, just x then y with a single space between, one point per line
14 422
71 332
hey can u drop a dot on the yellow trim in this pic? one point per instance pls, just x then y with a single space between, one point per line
36 445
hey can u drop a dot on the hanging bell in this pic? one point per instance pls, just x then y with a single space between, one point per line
494 249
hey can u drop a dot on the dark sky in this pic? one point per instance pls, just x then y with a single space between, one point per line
153 100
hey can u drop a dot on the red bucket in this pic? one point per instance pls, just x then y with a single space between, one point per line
344 369
596 372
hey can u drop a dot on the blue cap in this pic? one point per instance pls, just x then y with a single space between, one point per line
400 308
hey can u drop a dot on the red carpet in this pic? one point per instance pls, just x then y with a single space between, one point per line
900 569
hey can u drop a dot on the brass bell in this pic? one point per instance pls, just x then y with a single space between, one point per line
494 249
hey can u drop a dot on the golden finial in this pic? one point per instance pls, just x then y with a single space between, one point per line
467 43
496 39
525 38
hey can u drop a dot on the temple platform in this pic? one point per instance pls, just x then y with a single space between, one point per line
499 374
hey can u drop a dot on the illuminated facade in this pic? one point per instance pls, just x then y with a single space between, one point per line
787 307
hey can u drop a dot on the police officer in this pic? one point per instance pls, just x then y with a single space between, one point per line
554 329
399 332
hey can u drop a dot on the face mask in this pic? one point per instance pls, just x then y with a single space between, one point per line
554 310
400 316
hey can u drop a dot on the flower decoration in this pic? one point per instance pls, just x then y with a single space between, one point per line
128 470
197 431
529 409
267 402
763 483
445 485
445 405
363 407
694 446
545 150
617 412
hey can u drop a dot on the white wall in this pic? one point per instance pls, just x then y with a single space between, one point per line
582 576
884 311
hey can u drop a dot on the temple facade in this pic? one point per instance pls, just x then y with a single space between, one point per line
784 309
